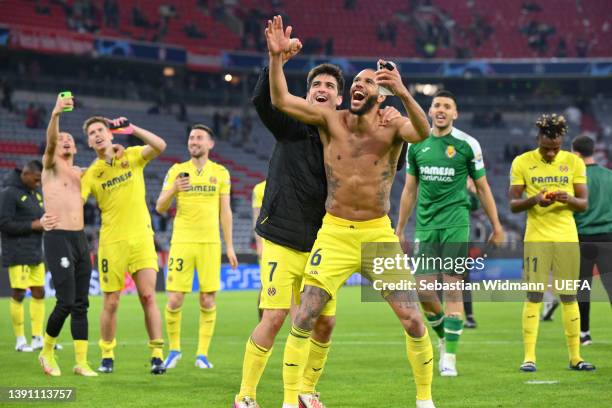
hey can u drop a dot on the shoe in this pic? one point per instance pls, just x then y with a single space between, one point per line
49 365
425 404
470 323
157 366
202 362
441 352
84 370
172 359
528 367
22 346
582 366
245 402
38 342
586 340
310 401
548 310
449 368
107 365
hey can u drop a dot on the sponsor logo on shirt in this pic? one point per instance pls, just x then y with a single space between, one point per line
550 180
437 173
116 180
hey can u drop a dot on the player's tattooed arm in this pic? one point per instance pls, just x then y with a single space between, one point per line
53 130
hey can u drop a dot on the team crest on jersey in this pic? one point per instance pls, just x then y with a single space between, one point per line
271 291
125 164
450 151
213 180
564 168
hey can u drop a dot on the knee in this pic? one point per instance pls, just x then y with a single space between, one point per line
147 299
207 300
18 295
305 318
324 327
535 297
175 300
38 292
111 304
80 307
275 319
65 306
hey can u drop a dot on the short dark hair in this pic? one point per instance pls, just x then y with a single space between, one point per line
443 93
551 126
328 69
94 119
203 127
583 145
33 166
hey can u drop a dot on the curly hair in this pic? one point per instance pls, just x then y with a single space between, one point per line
552 126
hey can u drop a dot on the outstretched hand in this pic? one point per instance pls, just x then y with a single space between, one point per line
390 79
278 38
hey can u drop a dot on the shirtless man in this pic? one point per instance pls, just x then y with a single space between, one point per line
65 245
360 158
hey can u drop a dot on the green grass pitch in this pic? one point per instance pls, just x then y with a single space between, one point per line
367 366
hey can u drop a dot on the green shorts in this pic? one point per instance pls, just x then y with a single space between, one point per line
441 250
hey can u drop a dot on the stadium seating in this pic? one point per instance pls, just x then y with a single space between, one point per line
322 19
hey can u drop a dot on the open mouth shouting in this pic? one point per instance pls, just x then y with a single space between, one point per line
321 98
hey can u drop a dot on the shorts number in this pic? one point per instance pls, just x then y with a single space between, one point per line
315 260
272 269
104 265
179 262
535 264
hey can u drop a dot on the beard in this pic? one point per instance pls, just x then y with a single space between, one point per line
366 107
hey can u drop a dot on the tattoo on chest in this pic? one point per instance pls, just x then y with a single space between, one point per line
333 184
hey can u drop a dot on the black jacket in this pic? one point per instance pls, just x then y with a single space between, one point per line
296 189
19 206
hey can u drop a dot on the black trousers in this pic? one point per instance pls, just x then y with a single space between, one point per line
595 249
68 260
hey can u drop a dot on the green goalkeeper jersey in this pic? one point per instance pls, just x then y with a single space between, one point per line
441 165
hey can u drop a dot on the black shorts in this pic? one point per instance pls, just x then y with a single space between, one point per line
67 254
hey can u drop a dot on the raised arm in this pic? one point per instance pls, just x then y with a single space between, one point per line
416 129
155 145
53 130
278 40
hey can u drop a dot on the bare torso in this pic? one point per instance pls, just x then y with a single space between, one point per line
61 186
360 165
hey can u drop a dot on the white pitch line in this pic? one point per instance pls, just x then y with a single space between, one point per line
541 382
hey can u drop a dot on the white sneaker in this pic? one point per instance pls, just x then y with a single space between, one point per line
38 342
310 400
449 368
441 352
22 346
245 402
289 406
425 404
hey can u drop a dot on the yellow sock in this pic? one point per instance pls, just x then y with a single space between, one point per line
314 366
253 365
208 318
37 315
531 322
49 345
157 348
420 355
571 326
294 361
80 351
108 348
17 317
173 327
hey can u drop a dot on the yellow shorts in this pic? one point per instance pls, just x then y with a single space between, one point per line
337 252
559 259
184 258
130 255
27 276
282 274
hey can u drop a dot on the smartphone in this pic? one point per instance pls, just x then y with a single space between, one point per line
386 65
184 174
63 95
121 125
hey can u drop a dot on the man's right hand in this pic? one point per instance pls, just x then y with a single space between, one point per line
278 39
295 47
47 222
542 200
62 103
182 184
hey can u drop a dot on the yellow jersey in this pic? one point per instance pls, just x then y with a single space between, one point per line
258 194
554 223
197 210
119 188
